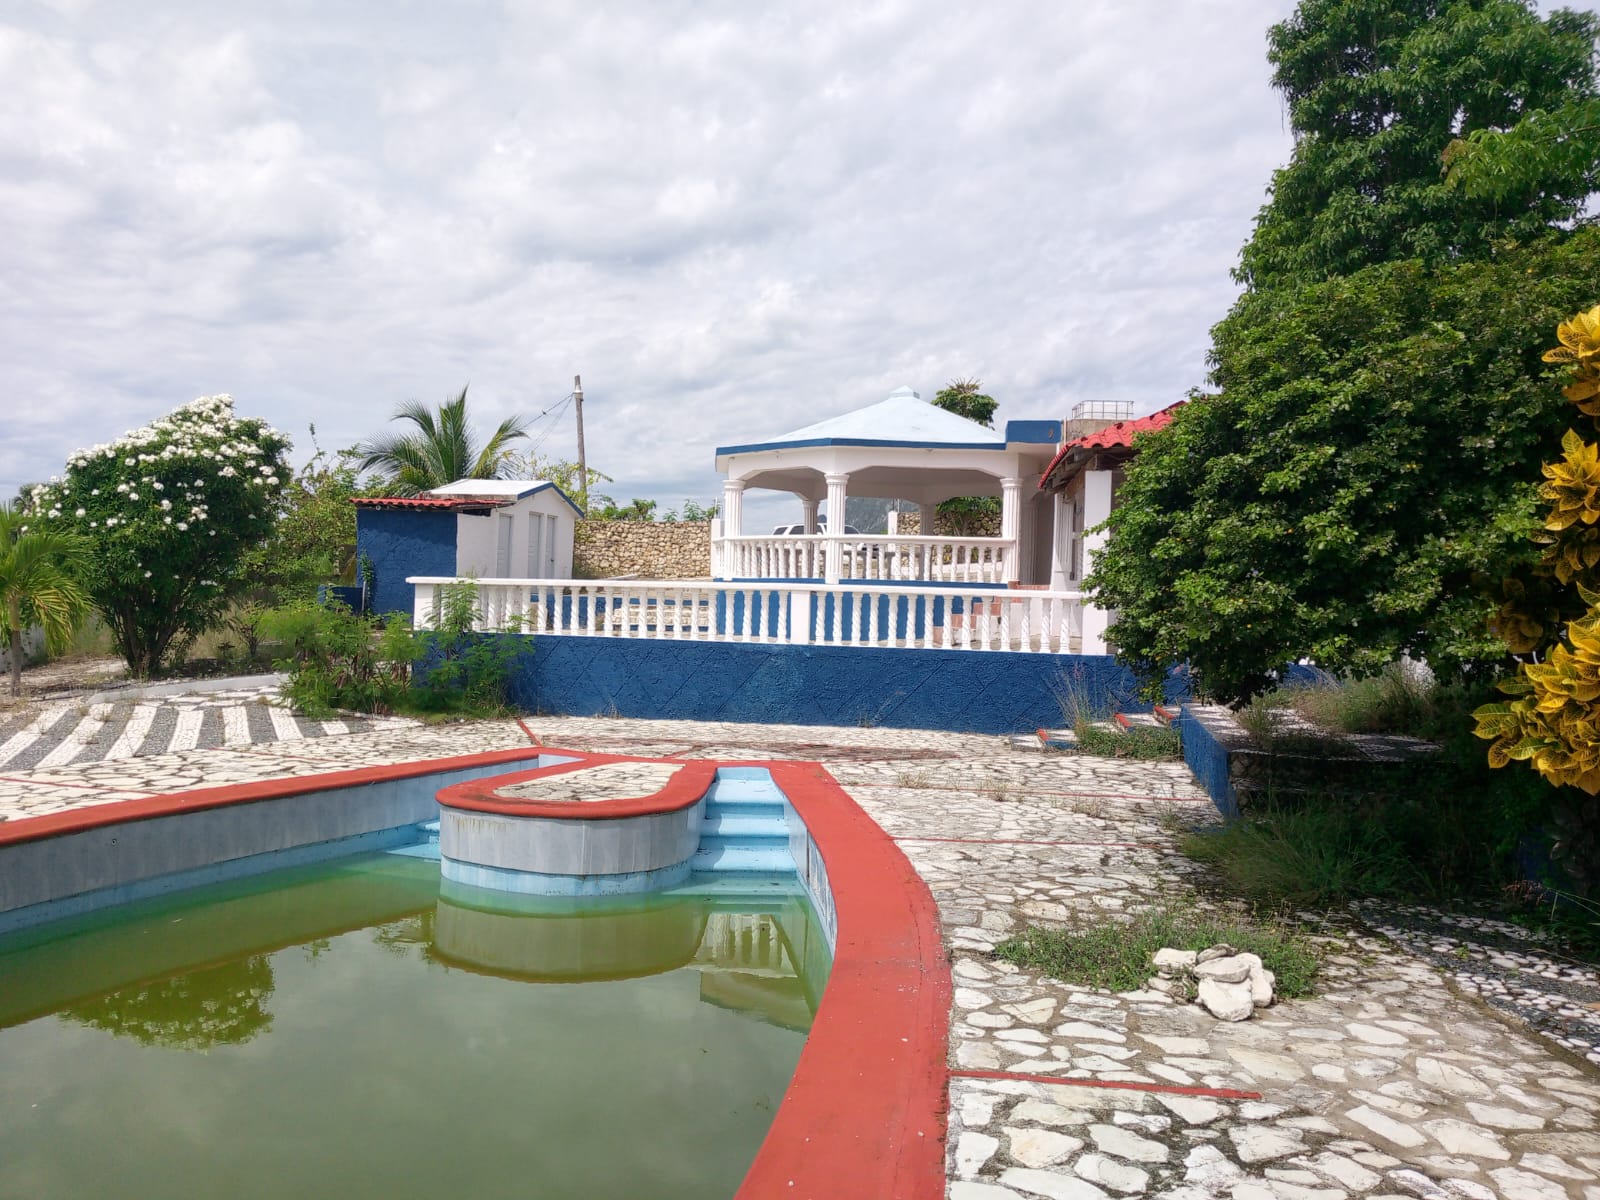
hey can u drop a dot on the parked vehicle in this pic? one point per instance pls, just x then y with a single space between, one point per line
799 530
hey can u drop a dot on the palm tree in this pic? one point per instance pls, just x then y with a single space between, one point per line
38 584
441 450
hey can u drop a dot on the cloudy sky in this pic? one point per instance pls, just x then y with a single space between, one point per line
731 219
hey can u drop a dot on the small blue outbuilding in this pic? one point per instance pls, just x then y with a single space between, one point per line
485 528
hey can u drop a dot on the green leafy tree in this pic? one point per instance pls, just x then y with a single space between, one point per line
565 475
1377 90
170 512
967 516
39 570
441 449
1361 486
1503 164
965 398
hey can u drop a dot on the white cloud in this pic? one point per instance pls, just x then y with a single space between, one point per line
731 221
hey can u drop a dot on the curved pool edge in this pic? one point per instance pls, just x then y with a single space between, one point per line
864 1113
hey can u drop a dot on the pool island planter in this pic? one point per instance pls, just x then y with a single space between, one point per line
864 1113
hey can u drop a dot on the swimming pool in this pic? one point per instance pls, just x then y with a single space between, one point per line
350 1029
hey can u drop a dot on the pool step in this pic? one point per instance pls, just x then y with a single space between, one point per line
744 828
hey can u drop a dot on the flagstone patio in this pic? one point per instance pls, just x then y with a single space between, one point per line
1398 1079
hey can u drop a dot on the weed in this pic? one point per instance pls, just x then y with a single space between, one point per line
913 779
1140 742
1117 956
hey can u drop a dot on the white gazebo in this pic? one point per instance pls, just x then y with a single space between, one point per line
901 448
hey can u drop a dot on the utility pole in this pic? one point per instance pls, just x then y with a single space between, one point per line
583 463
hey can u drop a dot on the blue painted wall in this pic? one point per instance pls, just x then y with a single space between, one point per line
1207 758
401 544
963 692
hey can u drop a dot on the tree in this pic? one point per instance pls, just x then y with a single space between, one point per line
1376 91
965 398
564 474
1502 164
967 516
38 584
1361 485
169 512
441 450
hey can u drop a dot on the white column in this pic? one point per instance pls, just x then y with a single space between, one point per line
1011 522
808 513
1060 542
836 504
732 507
1096 508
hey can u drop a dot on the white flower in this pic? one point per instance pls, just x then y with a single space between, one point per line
183 526
82 513
166 505
156 485
147 574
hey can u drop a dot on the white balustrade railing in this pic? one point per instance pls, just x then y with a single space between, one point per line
916 559
929 617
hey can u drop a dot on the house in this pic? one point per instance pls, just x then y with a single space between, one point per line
483 528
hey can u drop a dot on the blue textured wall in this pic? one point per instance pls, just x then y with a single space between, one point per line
1208 759
973 692
401 544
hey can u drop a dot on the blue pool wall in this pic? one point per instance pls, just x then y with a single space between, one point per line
991 692
77 872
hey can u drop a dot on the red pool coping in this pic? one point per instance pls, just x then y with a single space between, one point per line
685 788
864 1113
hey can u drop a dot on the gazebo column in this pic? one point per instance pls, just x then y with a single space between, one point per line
837 496
1011 524
731 564
1096 508
926 513
808 513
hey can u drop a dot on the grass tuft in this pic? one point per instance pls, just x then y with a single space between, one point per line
1140 742
1117 956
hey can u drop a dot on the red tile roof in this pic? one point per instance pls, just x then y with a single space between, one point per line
1117 436
446 503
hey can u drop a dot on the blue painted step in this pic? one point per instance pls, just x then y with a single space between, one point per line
715 855
718 821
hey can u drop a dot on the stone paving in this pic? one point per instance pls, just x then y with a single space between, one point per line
1395 1080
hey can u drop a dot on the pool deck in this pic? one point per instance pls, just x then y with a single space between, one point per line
1399 1079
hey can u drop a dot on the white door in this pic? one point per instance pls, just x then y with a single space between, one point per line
552 524
536 547
502 549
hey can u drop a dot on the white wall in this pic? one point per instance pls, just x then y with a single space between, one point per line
477 539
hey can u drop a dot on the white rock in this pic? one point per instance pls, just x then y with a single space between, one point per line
981 1191
1346 1171
1178 1045
1226 1001
1119 1177
1503 1118
1256 1143
989 1020
1041 1147
1451 1078
973 1150
1386 1127
1471 1189
1458 1137
1051 1185
1524 1185
1262 982
1083 1029
1285 1190
1418 1184
979 1056
1173 960
1266 1065
1124 1144
1328 1072
1209 1167
1220 950
1375 1036
1042 1112
977 1108
1233 969
1192 1110
1549 1164
1022 1035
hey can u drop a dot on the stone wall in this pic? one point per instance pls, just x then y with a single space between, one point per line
647 549
910 524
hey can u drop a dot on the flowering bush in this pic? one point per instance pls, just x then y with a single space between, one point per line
170 511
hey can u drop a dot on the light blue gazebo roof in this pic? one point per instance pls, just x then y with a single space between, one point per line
903 419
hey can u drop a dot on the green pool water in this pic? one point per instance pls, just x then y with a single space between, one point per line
349 1031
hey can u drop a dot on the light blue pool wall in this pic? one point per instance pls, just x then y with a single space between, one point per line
74 873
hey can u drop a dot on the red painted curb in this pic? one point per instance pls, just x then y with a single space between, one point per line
482 795
1171 1089
865 1112
532 736
115 812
